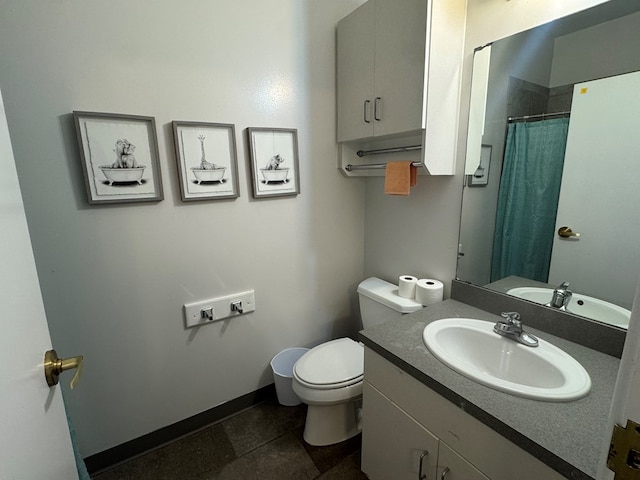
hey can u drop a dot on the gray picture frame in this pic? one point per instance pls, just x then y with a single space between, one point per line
207 160
275 170
119 156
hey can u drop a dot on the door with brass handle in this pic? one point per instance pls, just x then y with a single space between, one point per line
54 366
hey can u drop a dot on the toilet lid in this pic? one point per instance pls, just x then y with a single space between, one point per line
335 362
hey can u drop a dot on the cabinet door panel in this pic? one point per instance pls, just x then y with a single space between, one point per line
400 36
355 59
459 468
392 442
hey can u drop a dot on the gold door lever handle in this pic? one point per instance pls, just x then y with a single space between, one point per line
54 366
566 232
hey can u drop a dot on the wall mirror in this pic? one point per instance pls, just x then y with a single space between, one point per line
557 106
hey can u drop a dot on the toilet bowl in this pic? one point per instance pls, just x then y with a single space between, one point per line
328 378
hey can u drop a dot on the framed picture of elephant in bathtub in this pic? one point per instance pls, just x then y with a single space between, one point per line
207 160
119 157
274 161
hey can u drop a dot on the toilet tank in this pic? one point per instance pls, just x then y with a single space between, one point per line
380 302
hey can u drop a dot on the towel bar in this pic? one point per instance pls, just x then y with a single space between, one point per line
410 148
363 153
373 166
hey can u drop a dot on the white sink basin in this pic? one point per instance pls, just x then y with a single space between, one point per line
472 348
579 304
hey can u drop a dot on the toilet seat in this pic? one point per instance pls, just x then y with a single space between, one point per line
335 364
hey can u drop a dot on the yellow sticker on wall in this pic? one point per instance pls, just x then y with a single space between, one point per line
583 90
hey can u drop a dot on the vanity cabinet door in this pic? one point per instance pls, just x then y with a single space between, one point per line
392 442
452 466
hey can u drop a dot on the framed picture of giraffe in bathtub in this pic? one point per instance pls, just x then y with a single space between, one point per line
274 161
119 157
207 160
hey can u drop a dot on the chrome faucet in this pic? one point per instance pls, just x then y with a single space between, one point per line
512 328
561 296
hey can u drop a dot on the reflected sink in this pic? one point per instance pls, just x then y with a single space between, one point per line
579 304
473 349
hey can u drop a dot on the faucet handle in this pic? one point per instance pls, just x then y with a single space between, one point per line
511 317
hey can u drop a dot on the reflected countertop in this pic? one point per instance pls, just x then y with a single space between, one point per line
505 284
568 437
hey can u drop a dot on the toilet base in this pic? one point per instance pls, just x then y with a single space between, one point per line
329 424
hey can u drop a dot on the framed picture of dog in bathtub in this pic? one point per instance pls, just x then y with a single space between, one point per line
207 160
274 161
119 157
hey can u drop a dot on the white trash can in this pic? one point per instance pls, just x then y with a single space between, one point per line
282 366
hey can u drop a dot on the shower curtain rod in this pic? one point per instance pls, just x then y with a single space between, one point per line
540 116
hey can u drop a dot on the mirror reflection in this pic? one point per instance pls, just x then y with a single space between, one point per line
551 215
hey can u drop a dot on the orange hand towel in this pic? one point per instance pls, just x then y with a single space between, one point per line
399 178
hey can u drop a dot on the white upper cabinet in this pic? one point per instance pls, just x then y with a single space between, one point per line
381 69
399 69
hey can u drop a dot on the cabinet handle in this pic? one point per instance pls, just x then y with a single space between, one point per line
422 476
376 108
444 473
367 109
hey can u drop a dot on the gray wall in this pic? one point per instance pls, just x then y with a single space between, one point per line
601 51
416 235
114 278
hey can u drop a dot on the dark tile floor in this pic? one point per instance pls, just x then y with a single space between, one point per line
264 442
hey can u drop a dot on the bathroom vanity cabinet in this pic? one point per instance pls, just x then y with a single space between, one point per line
396 446
398 67
404 418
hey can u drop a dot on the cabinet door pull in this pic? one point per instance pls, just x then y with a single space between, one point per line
367 110
422 476
376 109
444 473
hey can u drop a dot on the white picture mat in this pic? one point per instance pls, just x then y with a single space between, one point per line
99 142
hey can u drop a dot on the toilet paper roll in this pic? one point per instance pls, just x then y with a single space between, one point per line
429 291
407 286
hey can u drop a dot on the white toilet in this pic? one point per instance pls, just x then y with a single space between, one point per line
328 378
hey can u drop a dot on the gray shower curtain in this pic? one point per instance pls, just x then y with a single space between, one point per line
528 199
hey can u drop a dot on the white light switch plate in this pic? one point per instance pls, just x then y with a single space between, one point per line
221 306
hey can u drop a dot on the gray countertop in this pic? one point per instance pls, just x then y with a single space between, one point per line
568 437
505 284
